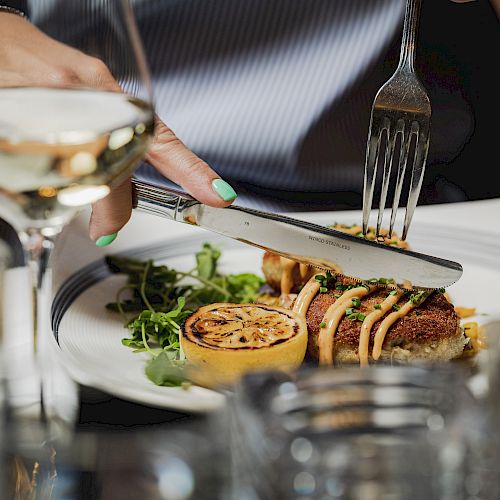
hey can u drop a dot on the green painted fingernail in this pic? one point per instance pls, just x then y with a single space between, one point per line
224 190
104 241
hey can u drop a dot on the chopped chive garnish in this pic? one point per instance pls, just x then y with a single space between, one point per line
377 306
326 280
396 307
356 302
393 292
338 295
322 324
349 311
356 316
417 298
323 289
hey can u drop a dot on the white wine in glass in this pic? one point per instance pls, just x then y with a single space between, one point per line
61 149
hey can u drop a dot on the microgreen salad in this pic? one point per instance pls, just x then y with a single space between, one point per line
157 299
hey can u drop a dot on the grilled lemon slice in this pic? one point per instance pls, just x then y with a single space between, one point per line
222 341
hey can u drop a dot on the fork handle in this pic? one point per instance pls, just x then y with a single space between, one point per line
410 27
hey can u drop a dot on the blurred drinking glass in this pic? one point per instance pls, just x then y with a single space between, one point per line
65 143
359 434
486 460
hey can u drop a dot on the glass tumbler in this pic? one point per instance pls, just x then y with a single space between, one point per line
485 482
385 432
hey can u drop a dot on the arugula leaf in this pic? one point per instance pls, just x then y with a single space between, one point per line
244 287
161 370
206 261
162 327
161 298
134 343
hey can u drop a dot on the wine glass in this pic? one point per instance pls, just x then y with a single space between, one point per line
65 144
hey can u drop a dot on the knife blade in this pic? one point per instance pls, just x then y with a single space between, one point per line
302 241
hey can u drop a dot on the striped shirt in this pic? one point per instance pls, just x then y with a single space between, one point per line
274 94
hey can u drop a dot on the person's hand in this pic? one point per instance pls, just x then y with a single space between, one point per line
30 57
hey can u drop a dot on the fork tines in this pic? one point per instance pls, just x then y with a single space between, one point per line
394 137
400 116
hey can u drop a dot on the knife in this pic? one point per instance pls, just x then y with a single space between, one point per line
304 242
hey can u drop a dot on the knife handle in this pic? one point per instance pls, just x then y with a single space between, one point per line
159 200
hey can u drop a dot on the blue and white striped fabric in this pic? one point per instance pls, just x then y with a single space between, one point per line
274 94
243 83
247 85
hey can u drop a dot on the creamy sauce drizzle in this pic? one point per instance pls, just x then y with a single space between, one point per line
336 311
287 267
305 271
306 295
332 318
387 323
370 320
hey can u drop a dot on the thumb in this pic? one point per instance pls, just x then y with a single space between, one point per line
174 160
110 214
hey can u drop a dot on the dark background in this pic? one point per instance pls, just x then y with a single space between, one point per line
456 49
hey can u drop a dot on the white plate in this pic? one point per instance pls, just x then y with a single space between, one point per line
89 336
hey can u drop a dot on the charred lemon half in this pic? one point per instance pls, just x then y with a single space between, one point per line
222 341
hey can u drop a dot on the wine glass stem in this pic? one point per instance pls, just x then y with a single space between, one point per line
38 248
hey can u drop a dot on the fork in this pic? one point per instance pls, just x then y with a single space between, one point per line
401 109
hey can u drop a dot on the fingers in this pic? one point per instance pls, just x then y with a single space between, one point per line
96 74
167 154
175 161
110 214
